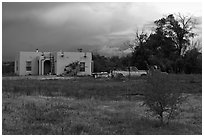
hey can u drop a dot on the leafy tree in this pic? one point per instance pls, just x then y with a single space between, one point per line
179 30
166 46
141 52
115 62
8 68
100 63
126 61
162 49
193 61
140 56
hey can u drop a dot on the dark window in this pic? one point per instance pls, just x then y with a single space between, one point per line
28 65
82 66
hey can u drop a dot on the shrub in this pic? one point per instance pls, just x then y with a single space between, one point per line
162 97
119 77
72 69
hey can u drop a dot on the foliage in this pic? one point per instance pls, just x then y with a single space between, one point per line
105 64
179 30
8 68
162 96
119 77
72 69
100 63
168 46
193 61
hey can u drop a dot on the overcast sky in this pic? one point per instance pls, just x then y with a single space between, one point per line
101 27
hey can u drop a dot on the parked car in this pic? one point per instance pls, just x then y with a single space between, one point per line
132 71
100 75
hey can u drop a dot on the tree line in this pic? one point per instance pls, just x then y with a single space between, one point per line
169 47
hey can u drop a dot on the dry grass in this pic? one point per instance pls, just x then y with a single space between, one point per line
88 106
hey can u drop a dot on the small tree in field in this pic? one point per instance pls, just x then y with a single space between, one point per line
161 96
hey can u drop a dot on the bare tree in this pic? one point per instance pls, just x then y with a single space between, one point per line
180 28
162 96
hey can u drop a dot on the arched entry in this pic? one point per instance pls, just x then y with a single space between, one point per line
47 67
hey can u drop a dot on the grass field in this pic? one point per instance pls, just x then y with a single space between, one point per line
93 106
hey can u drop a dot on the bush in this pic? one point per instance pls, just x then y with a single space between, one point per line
119 77
161 97
72 69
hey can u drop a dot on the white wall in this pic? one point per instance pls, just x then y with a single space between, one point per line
60 62
41 61
28 56
70 57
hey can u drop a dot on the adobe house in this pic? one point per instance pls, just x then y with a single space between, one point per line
54 63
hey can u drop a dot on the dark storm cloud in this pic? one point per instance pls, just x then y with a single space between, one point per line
68 26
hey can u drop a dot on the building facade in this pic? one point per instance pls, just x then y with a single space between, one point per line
52 63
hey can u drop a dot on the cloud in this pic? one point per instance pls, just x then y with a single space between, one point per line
107 51
67 26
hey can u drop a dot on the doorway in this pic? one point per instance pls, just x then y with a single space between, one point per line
47 67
